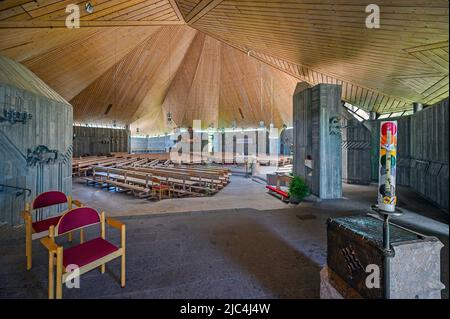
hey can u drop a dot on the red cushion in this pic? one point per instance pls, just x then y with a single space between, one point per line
278 191
160 186
77 218
45 224
87 252
49 199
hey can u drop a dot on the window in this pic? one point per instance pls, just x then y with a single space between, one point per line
358 113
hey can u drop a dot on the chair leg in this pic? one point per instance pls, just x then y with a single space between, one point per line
81 236
122 272
59 265
51 292
28 246
123 244
102 268
69 237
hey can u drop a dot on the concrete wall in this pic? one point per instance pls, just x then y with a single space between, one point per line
158 144
99 140
50 127
317 138
422 152
287 141
356 150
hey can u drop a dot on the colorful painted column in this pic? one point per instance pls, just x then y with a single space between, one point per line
387 166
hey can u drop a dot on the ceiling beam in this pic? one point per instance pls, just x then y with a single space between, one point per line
201 9
83 24
174 5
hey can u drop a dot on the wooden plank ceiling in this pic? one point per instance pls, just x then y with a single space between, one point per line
227 61
52 13
383 69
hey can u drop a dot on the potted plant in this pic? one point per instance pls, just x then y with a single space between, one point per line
298 190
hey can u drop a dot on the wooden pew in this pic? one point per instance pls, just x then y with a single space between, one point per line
202 178
178 184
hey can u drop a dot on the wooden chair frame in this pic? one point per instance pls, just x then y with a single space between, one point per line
31 234
157 182
56 253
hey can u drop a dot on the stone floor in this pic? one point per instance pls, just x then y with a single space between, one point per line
241 193
261 248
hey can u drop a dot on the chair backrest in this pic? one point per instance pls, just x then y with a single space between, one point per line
49 198
77 218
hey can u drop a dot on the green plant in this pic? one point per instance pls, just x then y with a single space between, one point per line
298 188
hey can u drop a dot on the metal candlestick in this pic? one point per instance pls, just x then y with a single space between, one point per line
387 251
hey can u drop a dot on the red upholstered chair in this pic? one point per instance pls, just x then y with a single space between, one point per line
38 229
159 187
87 255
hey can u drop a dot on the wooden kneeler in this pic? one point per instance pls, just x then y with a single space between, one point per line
87 255
38 229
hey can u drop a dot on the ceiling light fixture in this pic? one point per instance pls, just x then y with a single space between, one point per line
89 7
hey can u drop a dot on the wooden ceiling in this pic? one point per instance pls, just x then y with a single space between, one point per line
206 58
383 69
52 13
15 74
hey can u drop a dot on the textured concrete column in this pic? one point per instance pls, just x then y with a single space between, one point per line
417 107
317 138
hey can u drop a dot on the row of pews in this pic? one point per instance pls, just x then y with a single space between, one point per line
83 166
150 177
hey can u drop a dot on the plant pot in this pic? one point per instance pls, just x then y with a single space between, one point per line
294 200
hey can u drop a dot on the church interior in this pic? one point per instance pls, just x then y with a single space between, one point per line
224 149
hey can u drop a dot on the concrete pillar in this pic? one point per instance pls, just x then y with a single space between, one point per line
417 107
317 138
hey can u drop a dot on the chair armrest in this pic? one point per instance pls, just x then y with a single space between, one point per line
77 203
114 223
49 244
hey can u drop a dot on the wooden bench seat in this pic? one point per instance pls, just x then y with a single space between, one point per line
128 186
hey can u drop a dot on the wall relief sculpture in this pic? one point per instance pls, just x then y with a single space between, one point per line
335 125
41 155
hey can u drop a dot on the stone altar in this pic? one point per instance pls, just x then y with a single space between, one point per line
355 242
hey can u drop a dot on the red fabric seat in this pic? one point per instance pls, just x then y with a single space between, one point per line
87 252
44 225
278 191
161 186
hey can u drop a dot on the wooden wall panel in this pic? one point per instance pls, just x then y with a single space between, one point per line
16 74
219 85
203 99
70 69
137 83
